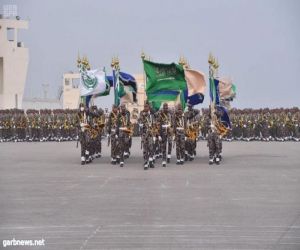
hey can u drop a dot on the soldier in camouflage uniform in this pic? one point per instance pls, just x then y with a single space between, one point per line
192 125
44 125
165 119
214 143
123 131
146 123
83 124
21 126
98 122
179 126
112 135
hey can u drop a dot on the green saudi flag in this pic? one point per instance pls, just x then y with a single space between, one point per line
164 77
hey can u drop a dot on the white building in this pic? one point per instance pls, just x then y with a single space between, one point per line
71 95
13 62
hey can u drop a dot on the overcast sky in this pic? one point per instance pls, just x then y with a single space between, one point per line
257 42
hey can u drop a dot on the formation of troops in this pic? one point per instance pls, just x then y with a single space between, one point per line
160 132
38 125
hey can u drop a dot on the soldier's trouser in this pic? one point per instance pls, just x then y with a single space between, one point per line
7 134
166 139
84 142
123 143
189 147
99 144
180 145
115 151
214 144
92 146
127 144
148 149
265 132
156 147
35 134
19 133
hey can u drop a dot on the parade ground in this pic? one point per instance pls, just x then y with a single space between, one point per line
250 201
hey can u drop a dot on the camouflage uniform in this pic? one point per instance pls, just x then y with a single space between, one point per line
214 142
98 122
192 125
146 122
214 146
112 135
84 138
165 120
123 127
179 126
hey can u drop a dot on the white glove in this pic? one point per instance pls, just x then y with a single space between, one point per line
173 138
108 135
185 138
154 138
159 138
116 136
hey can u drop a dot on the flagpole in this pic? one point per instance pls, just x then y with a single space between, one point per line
79 69
213 65
114 84
143 56
183 62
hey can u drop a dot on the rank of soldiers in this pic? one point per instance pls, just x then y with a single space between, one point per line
159 131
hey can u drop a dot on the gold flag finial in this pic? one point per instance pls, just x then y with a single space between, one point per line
113 62
187 65
78 60
180 61
216 65
210 58
143 55
183 62
78 57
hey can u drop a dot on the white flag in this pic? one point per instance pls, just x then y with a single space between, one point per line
92 82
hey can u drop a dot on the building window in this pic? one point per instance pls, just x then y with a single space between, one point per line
11 34
67 82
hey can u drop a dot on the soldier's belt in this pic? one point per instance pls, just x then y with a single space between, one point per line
180 128
166 125
123 128
113 130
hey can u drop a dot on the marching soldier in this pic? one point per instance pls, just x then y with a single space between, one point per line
123 132
83 124
191 117
179 126
214 141
146 123
165 120
98 122
112 135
